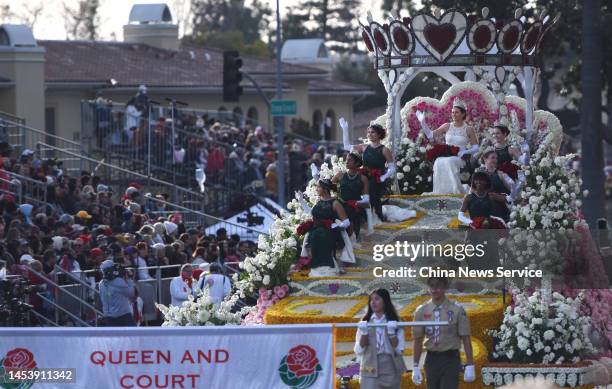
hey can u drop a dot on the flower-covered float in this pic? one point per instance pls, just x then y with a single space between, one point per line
481 58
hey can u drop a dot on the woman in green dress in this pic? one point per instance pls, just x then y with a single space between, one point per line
324 238
353 189
377 159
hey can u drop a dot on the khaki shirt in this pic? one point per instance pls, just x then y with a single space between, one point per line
442 338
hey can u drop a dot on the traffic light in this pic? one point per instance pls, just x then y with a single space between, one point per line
232 76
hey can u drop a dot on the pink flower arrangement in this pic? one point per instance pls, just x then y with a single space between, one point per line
266 299
478 110
300 264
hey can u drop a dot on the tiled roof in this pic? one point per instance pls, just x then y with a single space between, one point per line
133 64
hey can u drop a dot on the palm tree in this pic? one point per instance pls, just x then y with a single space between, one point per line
590 111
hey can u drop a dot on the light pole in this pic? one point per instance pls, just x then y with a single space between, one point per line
279 120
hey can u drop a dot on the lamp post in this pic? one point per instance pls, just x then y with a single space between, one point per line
279 120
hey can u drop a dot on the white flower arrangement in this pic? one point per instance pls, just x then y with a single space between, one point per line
203 312
551 194
539 331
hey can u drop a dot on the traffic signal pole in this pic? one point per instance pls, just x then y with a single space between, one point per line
279 120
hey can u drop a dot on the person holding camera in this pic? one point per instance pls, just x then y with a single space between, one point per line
117 291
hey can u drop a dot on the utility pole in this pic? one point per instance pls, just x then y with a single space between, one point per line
279 120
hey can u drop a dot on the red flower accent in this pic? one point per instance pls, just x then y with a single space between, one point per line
304 227
488 223
509 168
19 358
371 173
327 223
441 150
353 204
302 360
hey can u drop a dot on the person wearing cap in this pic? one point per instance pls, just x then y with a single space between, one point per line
182 286
442 363
116 295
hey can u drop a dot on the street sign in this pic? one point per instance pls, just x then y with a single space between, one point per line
284 107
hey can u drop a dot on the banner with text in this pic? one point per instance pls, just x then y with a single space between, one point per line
205 357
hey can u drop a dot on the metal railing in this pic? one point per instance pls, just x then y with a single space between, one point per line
62 292
22 137
215 200
165 141
202 219
24 189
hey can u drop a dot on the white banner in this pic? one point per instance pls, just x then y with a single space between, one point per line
228 357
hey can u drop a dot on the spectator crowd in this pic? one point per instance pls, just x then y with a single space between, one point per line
82 222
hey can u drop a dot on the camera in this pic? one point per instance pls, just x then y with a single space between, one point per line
252 219
114 272
14 312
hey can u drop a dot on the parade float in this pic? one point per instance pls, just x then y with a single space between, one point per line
536 332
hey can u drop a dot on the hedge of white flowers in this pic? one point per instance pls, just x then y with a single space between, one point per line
551 194
202 312
542 329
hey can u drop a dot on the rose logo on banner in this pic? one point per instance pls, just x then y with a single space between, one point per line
300 368
16 359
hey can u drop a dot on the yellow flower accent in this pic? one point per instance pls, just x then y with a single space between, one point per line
304 275
402 225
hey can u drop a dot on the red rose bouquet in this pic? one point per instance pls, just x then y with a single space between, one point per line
441 150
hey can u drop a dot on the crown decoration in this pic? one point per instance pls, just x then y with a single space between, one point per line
455 39
459 104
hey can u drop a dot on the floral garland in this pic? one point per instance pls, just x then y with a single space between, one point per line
535 330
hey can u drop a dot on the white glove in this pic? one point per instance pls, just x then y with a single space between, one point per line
362 327
473 149
314 171
300 198
345 135
417 379
390 172
464 219
392 327
421 118
523 159
525 147
341 224
365 200
469 375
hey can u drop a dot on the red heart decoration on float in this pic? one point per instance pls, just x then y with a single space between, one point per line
440 36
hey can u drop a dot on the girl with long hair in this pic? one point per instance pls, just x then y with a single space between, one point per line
380 343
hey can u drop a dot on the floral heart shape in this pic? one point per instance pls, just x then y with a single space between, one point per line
440 37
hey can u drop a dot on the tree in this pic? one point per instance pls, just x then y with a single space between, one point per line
590 110
335 21
28 16
230 24
82 22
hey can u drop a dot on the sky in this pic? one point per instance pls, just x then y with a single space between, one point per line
113 14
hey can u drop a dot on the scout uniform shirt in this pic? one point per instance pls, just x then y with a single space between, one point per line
442 338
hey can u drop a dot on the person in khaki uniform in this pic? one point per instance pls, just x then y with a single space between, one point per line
380 348
442 363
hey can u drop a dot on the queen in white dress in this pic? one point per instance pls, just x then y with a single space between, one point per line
446 179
